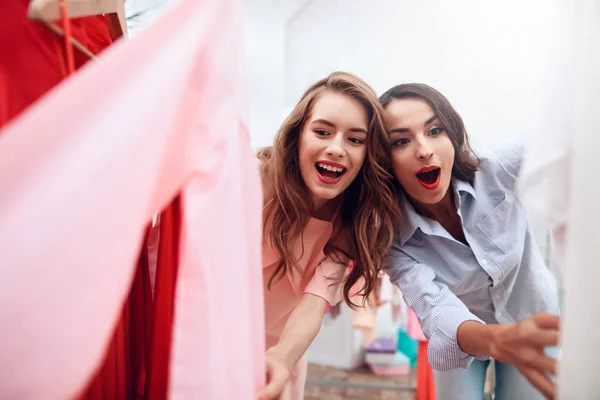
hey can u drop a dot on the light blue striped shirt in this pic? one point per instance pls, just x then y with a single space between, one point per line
500 278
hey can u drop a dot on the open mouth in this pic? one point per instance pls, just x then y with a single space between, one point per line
329 172
429 177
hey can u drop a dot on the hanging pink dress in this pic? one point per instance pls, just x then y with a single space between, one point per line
167 117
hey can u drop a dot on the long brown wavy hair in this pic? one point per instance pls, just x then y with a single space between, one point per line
465 161
369 215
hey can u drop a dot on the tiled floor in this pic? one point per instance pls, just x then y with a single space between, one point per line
321 373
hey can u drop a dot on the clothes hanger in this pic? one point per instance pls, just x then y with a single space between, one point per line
50 10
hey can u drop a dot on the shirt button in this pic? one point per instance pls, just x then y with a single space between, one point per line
484 262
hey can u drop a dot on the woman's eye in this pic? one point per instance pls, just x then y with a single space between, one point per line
401 142
435 131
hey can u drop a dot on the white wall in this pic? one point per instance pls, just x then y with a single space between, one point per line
490 58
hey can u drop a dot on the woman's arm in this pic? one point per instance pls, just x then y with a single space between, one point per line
521 344
299 332
439 311
456 335
325 288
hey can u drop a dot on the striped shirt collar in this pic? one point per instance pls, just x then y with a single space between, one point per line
413 221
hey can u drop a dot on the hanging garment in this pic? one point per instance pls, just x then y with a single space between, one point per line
365 316
32 64
167 116
161 325
560 184
122 374
32 58
425 389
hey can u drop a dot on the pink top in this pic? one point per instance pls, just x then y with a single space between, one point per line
316 268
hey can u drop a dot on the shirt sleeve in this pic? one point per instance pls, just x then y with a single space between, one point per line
509 159
439 311
327 281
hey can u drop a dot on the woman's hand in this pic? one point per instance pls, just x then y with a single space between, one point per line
522 345
278 375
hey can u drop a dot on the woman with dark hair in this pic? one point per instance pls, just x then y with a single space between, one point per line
466 259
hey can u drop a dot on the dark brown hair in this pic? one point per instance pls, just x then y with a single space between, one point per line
369 216
465 162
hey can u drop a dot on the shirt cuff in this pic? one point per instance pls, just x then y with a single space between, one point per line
444 353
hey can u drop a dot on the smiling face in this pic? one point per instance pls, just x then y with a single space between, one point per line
333 145
422 152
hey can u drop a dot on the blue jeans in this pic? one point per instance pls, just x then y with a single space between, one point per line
468 384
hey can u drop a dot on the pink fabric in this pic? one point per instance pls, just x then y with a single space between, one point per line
365 319
81 176
315 269
413 327
365 316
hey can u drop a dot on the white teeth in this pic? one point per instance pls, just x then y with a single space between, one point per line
330 168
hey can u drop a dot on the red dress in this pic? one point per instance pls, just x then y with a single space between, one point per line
32 58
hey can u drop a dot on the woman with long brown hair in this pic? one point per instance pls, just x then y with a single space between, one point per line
466 259
330 215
